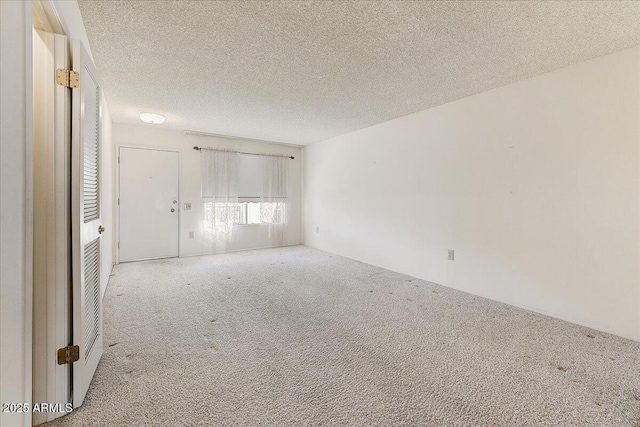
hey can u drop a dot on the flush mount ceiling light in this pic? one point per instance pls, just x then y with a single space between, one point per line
154 119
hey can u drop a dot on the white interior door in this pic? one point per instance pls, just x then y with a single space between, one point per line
85 221
149 204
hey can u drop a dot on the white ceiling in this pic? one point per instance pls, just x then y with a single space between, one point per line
300 72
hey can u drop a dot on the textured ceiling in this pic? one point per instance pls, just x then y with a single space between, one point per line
300 72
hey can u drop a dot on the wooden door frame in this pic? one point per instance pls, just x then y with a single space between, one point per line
117 187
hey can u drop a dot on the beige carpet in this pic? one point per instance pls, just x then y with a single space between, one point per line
296 336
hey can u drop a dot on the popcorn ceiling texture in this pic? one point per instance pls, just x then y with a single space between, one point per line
296 336
300 72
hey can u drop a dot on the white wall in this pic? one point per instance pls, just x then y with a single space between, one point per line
246 237
16 213
535 185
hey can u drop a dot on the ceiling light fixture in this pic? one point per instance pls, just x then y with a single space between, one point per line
154 119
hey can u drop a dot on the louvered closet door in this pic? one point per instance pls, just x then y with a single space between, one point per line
86 222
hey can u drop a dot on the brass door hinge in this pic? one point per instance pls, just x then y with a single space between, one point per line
67 78
68 354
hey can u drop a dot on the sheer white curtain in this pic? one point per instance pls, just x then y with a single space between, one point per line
219 196
273 200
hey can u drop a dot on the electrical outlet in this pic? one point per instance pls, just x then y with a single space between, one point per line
451 255
191 234
317 229
187 206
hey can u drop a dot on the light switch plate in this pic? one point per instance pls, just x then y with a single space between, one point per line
187 206
451 255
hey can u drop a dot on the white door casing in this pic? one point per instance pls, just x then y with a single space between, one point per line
149 203
52 219
86 222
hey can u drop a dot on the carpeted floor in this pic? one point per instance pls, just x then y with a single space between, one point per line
296 336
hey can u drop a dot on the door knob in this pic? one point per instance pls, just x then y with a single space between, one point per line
100 229
175 201
173 210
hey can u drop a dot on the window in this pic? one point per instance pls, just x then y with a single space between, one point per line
243 213
272 212
244 190
221 213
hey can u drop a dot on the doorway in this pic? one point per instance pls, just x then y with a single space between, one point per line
69 253
148 203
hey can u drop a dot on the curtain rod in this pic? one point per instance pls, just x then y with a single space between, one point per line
242 152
